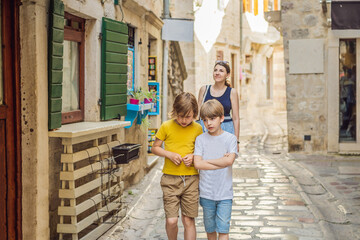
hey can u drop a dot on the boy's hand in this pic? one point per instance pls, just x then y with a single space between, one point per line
188 159
226 154
175 158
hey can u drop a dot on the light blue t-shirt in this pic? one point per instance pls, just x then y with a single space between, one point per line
216 184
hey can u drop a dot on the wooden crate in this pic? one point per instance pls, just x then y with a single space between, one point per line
91 187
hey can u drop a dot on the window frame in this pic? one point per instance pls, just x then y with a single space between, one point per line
353 110
71 34
131 48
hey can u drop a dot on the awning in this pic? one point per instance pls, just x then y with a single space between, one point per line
345 14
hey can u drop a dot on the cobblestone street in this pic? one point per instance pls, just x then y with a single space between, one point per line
270 202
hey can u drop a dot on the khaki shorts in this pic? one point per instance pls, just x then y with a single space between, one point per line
180 191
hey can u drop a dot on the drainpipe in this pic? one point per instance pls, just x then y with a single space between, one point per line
165 68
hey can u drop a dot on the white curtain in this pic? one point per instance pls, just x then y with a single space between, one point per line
70 94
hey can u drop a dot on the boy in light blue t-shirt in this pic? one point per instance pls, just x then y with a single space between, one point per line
215 152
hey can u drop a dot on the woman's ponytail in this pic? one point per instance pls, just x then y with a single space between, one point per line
227 83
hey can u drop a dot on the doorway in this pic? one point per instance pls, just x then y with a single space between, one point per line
349 94
10 163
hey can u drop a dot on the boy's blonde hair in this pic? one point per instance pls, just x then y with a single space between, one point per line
183 104
211 109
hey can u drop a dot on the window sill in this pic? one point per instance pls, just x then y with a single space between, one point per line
80 129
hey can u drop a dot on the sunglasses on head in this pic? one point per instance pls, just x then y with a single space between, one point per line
221 61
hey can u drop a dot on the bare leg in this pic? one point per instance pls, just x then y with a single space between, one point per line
172 228
189 227
223 236
212 236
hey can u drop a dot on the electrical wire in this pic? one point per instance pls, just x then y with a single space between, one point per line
122 13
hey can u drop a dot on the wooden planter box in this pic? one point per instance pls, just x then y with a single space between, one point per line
91 187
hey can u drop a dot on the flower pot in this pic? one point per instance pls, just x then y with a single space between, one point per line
148 100
134 101
126 152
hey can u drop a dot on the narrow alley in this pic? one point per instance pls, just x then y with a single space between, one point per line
86 87
274 199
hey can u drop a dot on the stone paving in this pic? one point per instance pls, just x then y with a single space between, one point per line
334 190
268 204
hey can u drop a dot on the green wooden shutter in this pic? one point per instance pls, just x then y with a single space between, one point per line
113 69
55 67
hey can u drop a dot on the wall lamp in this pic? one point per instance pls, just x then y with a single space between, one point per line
325 5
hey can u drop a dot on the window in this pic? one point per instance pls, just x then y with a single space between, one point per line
219 55
131 59
152 68
131 70
73 69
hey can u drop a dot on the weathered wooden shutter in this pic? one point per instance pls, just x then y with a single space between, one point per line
55 67
113 69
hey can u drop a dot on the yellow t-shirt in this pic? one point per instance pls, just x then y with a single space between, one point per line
180 140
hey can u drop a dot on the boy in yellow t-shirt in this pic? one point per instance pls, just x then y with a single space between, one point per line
180 181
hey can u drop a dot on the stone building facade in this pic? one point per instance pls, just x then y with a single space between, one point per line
320 79
223 30
306 93
43 151
176 72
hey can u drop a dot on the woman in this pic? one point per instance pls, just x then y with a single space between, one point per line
226 95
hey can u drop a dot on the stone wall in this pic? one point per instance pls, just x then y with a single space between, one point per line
279 86
306 93
41 154
34 130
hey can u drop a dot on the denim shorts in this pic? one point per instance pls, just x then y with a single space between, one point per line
226 126
217 215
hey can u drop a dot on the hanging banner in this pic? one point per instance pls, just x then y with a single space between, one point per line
175 29
345 14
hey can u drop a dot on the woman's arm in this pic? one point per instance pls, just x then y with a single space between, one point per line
201 97
235 112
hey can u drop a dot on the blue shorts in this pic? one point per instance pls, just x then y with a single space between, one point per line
217 215
226 126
